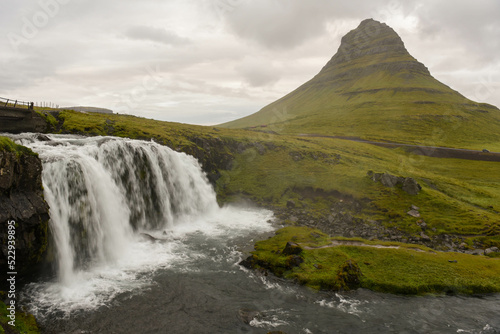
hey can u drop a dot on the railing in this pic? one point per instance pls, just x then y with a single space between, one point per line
16 104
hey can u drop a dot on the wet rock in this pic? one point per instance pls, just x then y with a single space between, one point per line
21 200
292 248
248 262
148 237
247 315
42 137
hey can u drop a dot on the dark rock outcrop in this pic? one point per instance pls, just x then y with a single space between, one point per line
292 248
408 184
21 201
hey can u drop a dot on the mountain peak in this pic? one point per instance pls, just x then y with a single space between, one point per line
369 38
372 46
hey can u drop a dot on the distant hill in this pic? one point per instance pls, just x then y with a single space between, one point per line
91 109
374 89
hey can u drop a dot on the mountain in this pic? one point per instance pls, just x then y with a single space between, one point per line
373 88
91 109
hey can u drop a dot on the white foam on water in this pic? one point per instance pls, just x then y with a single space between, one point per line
344 304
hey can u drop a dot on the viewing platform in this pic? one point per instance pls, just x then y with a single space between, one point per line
19 116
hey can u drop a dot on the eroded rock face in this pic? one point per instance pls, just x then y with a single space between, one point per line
21 201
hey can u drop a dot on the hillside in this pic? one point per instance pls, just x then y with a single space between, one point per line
373 88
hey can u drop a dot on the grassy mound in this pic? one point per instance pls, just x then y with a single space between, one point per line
343 264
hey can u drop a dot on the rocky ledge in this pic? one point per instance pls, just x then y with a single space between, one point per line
21 201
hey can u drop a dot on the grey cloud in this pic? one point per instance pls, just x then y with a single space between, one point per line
230 61
278 24
474 28
258 72
154 34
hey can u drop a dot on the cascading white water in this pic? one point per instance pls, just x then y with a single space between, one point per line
122 211
100 190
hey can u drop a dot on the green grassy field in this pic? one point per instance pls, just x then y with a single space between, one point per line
385 267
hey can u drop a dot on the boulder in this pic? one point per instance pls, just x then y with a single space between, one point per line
389 180
292 248
410 186
491 250
349 275
414 213
247 315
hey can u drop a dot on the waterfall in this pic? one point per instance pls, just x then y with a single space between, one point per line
103 191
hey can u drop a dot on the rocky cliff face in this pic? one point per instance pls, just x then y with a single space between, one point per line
21 200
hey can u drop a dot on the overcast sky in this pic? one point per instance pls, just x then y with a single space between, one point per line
212 61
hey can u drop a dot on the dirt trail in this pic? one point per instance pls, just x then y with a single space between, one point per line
429 151
360 244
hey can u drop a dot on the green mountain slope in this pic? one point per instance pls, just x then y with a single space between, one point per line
374 89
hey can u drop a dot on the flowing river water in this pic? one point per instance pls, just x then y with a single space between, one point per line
141 246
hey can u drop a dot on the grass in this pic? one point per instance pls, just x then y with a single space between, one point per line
408 269
457 197
24 323
8 145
